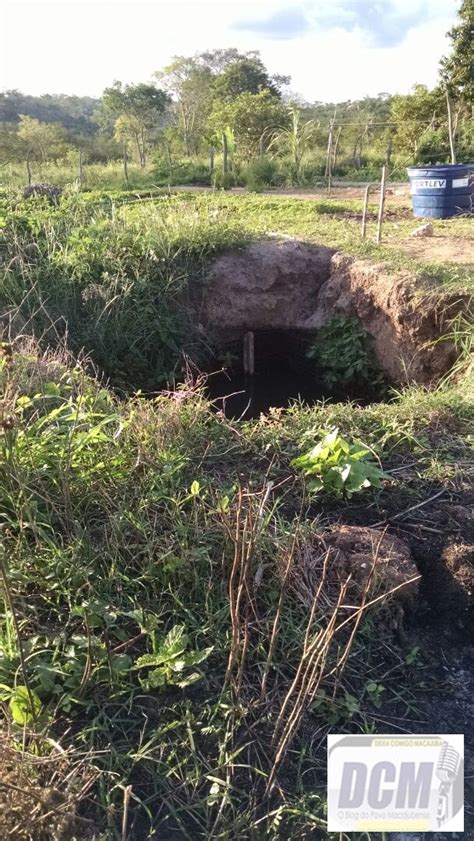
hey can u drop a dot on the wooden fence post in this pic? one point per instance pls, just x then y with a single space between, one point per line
225 154
81 171
381 205
364 212
249 353
125 163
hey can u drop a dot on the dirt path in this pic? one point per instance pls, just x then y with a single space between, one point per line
397 193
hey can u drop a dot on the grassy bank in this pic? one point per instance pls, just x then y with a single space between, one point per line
122 276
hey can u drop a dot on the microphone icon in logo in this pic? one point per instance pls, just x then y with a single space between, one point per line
447 770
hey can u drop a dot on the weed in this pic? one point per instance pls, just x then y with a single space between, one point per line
342 350
338 467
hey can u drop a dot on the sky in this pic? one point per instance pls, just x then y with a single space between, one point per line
334 50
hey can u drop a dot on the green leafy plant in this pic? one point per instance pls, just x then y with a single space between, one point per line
24 704
336 710
374 692
339 468
171 661
343 352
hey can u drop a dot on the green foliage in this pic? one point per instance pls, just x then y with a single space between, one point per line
337 711
261 173
294 139
457 68
338 467
246 75
171 661
251 116
416 113
343 352
223 180
140 534
24 704
136 109
189 82
119 279
40 141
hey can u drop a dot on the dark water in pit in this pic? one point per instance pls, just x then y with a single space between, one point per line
282 374
240 396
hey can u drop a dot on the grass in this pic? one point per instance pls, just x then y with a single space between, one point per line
123 520
165 666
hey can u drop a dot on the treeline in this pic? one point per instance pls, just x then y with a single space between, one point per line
224 109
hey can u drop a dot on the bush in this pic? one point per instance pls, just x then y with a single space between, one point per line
49 191
261 173
182 172
339 468
343 352
221 181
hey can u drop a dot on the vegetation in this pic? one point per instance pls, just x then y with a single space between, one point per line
198 104
339 468
145 669
343 351
148 672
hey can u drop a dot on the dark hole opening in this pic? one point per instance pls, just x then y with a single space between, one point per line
283 374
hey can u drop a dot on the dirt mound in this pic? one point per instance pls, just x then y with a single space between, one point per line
363 554
269 285
287 284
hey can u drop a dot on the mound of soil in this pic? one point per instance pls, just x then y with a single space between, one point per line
363 555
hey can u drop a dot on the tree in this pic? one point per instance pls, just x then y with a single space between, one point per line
415 114
245 75
457 72
457 69
188 82
141 105
42 141
250 116
75 113
11 148
218 60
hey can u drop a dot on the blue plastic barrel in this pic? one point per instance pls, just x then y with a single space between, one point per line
438 192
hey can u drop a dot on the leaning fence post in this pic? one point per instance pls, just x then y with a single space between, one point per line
381 205
364 212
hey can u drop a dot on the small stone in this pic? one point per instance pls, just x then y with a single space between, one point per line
423 231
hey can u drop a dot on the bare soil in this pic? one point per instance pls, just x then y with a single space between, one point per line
397 193
437 249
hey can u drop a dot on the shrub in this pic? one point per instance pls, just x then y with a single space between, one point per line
223 181
261 173
339 468
342 350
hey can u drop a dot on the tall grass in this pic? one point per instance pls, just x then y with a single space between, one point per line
123 282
